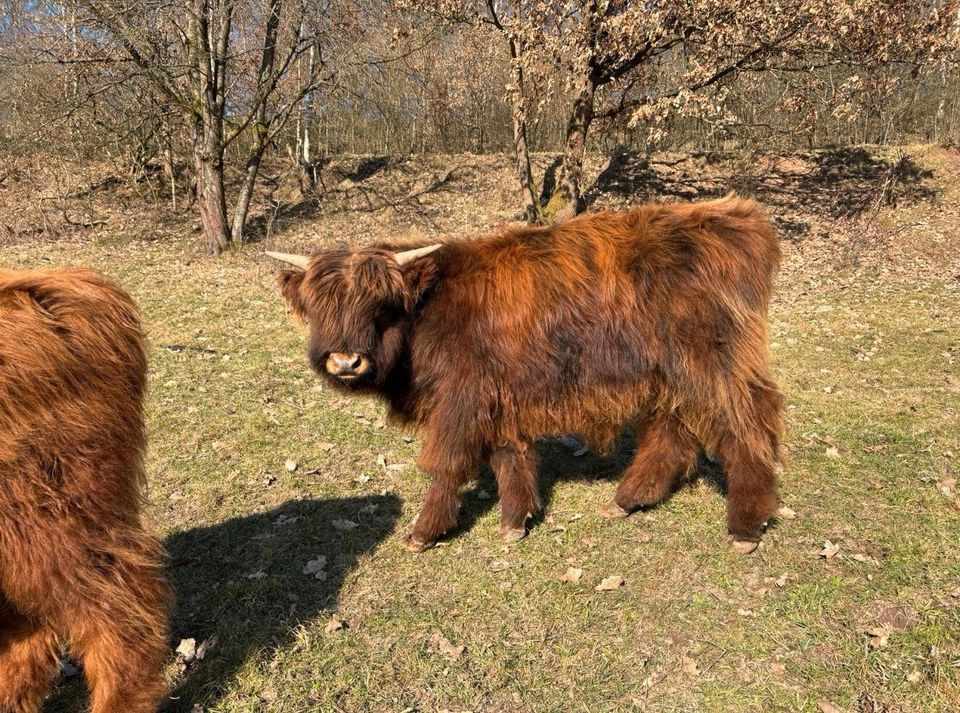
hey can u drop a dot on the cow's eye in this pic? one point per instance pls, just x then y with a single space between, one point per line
385 318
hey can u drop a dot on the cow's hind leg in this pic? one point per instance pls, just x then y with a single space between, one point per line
28 660
749 455
515 466
665 451
751 493
119 633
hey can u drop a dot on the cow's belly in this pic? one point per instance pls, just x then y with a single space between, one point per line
597 409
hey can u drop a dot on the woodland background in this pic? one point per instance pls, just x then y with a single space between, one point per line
188 99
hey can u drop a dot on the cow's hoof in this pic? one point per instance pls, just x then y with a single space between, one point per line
412 544
743 547
612 510
512 534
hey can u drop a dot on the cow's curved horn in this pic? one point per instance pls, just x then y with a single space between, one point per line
301 261
410 255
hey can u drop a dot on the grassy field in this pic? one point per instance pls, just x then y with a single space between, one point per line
257 473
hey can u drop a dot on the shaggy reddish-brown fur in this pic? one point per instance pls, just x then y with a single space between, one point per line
76 565
656 316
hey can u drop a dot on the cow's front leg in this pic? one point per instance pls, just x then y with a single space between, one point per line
449 458
515 465
440 508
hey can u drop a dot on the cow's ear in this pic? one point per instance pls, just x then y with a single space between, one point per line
420 276
290 281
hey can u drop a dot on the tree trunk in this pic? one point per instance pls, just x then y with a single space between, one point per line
212 202
242 207
304 154
521 148
531 204
170 168
208 162
566 202
211 34
261 126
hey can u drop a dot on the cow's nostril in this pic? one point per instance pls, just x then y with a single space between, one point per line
347 364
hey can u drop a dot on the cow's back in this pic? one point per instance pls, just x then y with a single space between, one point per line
72 380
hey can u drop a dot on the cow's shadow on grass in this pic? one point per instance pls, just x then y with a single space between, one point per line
560 462
241 584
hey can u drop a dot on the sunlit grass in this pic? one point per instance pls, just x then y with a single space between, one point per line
869 365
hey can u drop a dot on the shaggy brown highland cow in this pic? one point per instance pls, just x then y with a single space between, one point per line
656 316
77 567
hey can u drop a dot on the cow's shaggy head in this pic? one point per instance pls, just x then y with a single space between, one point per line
357 305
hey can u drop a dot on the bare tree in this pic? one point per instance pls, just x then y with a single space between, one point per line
646 60
683 55
211 85
198 60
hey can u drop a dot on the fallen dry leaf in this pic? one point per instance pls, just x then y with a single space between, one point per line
898 617
326 446
786 513
317 568
187 650
690 666
879 636
572 575
833 452
778 669
829 550
291 465
826 706
947 486
334 625
204 647
446 648
614 581
344 524
914 677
